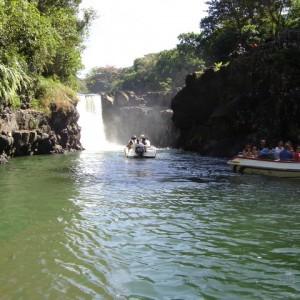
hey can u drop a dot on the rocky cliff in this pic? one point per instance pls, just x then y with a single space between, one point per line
126 114
256 95
29 132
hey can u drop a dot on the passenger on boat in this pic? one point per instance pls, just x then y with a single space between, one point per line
131 142
145 140
139 147
262 144
279 146
247 152
266 153
290 146
296 154
278 149
286 154
254 151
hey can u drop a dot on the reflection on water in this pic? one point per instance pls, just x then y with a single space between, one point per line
180 226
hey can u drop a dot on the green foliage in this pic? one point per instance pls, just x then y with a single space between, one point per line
219 65
192 44
154 72
228 24
167 84
67 59
242 21
54 93
36 104
82 87
101 79
27 34
142 77
12 81
293 17
45 37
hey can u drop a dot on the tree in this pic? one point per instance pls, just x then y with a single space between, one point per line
293 17
230 22
176 64
44 36
274 12
157 71
100 79
269 13
26 35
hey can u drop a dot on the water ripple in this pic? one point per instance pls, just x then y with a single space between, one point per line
177 227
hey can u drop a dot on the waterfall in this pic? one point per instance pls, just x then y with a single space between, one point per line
89 108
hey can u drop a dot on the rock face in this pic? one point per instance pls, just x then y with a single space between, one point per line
257 95
126 114
29 132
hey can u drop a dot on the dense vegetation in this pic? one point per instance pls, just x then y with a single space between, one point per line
154 72
251 23
40 50
247 22
41 46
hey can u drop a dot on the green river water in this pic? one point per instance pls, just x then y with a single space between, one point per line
95 225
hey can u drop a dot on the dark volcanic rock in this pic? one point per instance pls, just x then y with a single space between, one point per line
256 95
28 132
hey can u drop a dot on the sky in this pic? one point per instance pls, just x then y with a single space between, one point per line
130 29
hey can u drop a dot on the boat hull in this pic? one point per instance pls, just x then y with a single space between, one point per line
285 169
149 153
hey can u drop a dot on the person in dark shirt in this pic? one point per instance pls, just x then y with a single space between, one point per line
286 154
262 144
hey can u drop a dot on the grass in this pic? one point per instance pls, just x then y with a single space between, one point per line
52 93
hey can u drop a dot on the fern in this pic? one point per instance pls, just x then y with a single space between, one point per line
218 65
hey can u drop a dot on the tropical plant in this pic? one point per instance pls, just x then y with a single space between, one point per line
45 37
12 81
219 65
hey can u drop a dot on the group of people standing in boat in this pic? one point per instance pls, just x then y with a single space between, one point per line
283 151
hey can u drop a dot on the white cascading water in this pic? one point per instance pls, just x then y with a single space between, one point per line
89 108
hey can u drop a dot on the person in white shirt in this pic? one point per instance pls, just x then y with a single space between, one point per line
145 141
131 142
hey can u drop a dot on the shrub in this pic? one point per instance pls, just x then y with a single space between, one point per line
50 92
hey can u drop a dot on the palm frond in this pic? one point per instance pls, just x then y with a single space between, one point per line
12 81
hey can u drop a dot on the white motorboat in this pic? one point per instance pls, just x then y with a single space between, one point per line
140 151
258 166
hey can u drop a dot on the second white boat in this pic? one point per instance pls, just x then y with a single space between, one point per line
278 168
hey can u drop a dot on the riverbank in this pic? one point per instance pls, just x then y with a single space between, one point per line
30 132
